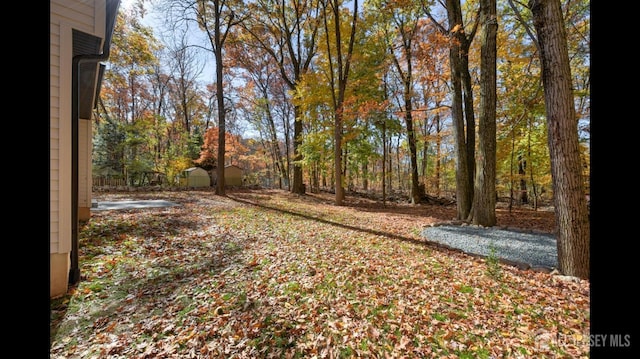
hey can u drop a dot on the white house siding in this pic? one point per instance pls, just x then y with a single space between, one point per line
65 15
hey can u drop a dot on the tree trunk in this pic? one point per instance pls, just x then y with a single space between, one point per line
365 176
568 189
457 55
522 171
408 118
297 186
315 180
438 154
415 190
274 144
469 120
337 159
390 166
533 182
484 200
221 113
343 67
398 165
384 163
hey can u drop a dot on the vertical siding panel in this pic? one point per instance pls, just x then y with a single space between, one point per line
54 123
64 139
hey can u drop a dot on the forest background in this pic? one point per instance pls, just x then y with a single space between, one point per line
158 115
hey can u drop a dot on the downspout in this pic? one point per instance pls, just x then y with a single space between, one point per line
74 271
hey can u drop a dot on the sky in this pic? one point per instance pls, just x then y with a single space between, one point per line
156 21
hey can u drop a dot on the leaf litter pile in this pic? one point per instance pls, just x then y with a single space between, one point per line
270 274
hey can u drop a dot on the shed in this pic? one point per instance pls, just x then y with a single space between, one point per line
197 177
232 175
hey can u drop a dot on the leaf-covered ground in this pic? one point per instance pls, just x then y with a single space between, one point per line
269 274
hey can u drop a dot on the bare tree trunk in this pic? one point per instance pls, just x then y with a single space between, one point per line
365 176
287 150
221 110
223 19
298 185
438 154
533 183
458 58
415 194
522 172
390 166
384 162
275 147
315 181
568 189
511 179
398 165
484 194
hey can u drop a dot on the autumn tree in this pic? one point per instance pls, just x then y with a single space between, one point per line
287 31
462 110
339 65
131 61
365 105
235 150
160 90
431 90
216 18
522 161
403 18
263 98
569 196
127 96
108 142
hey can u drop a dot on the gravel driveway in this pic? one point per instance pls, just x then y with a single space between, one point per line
536 250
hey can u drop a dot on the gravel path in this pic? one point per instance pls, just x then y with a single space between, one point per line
536 250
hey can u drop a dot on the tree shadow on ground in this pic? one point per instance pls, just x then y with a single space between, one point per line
252 202
122 289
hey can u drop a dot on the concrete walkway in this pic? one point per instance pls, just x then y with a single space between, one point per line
105 206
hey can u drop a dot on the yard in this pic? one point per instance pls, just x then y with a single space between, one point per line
266 273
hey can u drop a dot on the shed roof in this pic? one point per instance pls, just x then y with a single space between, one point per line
196 170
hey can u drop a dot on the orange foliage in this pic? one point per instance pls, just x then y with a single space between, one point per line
234 149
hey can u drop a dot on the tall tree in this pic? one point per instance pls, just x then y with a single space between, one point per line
339 75
127 95
185 69
263 97
568 189
484 194
432 82
462 111
217 18
523 166
287 30
405 23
